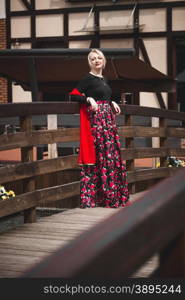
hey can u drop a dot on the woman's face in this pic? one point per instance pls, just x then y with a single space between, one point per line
96 61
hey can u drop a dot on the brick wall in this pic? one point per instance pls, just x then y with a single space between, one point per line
3 82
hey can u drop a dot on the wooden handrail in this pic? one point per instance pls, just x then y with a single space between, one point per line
36 168
20 171
32 199
40 137
43 108
28 170
38 108
152 112
120 244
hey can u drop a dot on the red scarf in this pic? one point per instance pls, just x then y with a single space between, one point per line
87 154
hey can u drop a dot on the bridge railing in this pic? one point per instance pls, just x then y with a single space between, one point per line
116 247
28 170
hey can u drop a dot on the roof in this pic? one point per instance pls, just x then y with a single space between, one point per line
59 70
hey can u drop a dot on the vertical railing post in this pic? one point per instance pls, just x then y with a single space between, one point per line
52 124
163 141
27 156
129 143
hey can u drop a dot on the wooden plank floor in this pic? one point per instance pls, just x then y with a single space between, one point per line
27 244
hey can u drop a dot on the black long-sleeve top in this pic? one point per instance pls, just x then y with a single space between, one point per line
93 86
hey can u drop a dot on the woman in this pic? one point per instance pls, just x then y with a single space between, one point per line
103 176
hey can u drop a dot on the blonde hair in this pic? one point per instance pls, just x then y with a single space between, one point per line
99 52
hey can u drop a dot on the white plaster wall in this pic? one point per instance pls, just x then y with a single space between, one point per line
19 95
115 18
2 9
77 21
178 18
79 44
150 99
153 19
117 43
157 52
21 46
49 25
20 27
16 5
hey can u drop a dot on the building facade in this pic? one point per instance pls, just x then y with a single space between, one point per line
156 29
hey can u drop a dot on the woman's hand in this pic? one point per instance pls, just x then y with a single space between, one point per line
93 103
116 107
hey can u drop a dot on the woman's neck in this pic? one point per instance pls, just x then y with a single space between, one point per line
96 73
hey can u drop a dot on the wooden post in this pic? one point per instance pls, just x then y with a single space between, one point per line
52 124
129 143
27 156
172 258
155 140
163 142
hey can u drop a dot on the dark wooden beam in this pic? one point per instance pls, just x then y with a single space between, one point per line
33 79
33 4
33 26
95 41
66 30
171 58
102 8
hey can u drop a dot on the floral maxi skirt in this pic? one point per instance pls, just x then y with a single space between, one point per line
104 184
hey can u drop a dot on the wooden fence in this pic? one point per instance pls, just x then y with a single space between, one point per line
28 170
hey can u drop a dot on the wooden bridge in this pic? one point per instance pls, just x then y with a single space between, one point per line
145 239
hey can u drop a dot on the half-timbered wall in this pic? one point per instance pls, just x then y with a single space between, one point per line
53 23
